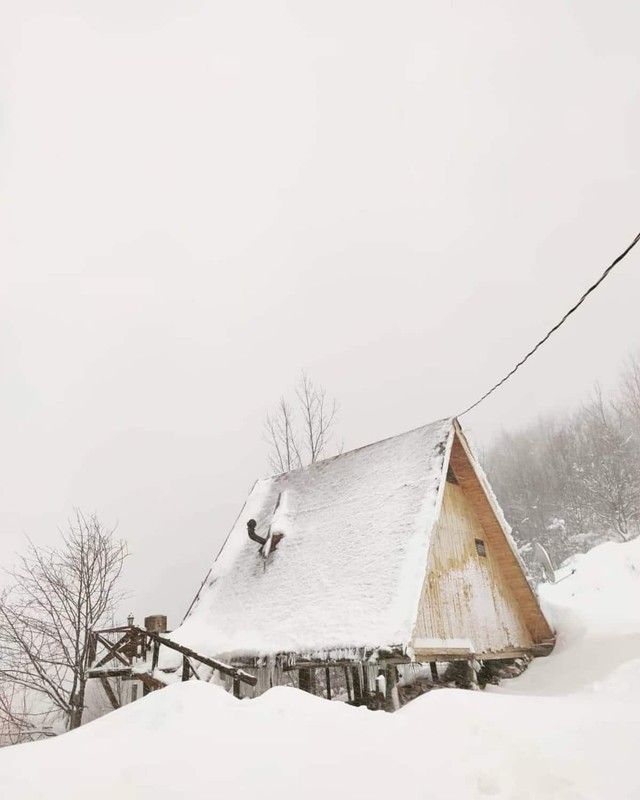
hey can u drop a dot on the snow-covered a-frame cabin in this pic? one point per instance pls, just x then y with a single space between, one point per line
354 567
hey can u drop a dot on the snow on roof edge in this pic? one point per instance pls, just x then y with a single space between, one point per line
195 600
434 519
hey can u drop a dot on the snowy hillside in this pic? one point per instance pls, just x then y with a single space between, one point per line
568 728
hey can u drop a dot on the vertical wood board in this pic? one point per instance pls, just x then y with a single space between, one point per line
465 598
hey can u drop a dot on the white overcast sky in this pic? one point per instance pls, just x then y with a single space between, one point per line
199 199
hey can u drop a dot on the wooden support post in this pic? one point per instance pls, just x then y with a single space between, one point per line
236 688
392 699
473 675
327 675
93 643
307 679
357 685
366 684
156 654
434 671
186 668
348 682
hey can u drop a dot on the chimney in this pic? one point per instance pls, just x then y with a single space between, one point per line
251 531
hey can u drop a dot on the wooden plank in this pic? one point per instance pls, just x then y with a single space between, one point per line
236 688
186 668
425 656
387 654
155 655
225 669
357 685
327 676
117 629
109 692
116 672
348 682
112 650
148 681
513 575
434 671
93 642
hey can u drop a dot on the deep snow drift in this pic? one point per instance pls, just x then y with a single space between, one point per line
568 728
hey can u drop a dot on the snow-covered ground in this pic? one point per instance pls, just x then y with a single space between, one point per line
568 728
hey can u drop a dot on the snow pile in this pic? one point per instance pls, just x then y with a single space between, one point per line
567 729
349 570
596 611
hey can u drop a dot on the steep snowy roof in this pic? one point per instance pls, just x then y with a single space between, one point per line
349 570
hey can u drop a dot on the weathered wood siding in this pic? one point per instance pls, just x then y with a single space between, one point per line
489 516
466 602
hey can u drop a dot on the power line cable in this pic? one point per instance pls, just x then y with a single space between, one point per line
556 326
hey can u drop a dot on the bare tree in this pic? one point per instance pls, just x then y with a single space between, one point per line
56 597
607 472
284 452
20 718
318 415
631 389
300 434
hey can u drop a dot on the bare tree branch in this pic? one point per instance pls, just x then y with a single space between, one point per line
300 434
57 596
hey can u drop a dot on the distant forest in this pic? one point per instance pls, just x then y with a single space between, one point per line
572 481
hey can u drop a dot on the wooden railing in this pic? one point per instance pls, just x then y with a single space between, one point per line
131 650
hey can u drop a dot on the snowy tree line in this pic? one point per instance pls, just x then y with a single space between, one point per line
572 481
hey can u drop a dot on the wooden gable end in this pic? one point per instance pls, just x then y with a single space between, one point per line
475 599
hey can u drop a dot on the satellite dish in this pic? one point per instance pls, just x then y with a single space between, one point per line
542 557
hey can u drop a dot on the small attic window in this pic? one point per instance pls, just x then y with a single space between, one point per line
451 478
481 548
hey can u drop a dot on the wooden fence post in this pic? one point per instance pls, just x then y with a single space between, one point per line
357 685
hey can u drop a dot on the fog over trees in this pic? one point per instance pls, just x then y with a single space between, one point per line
573 480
